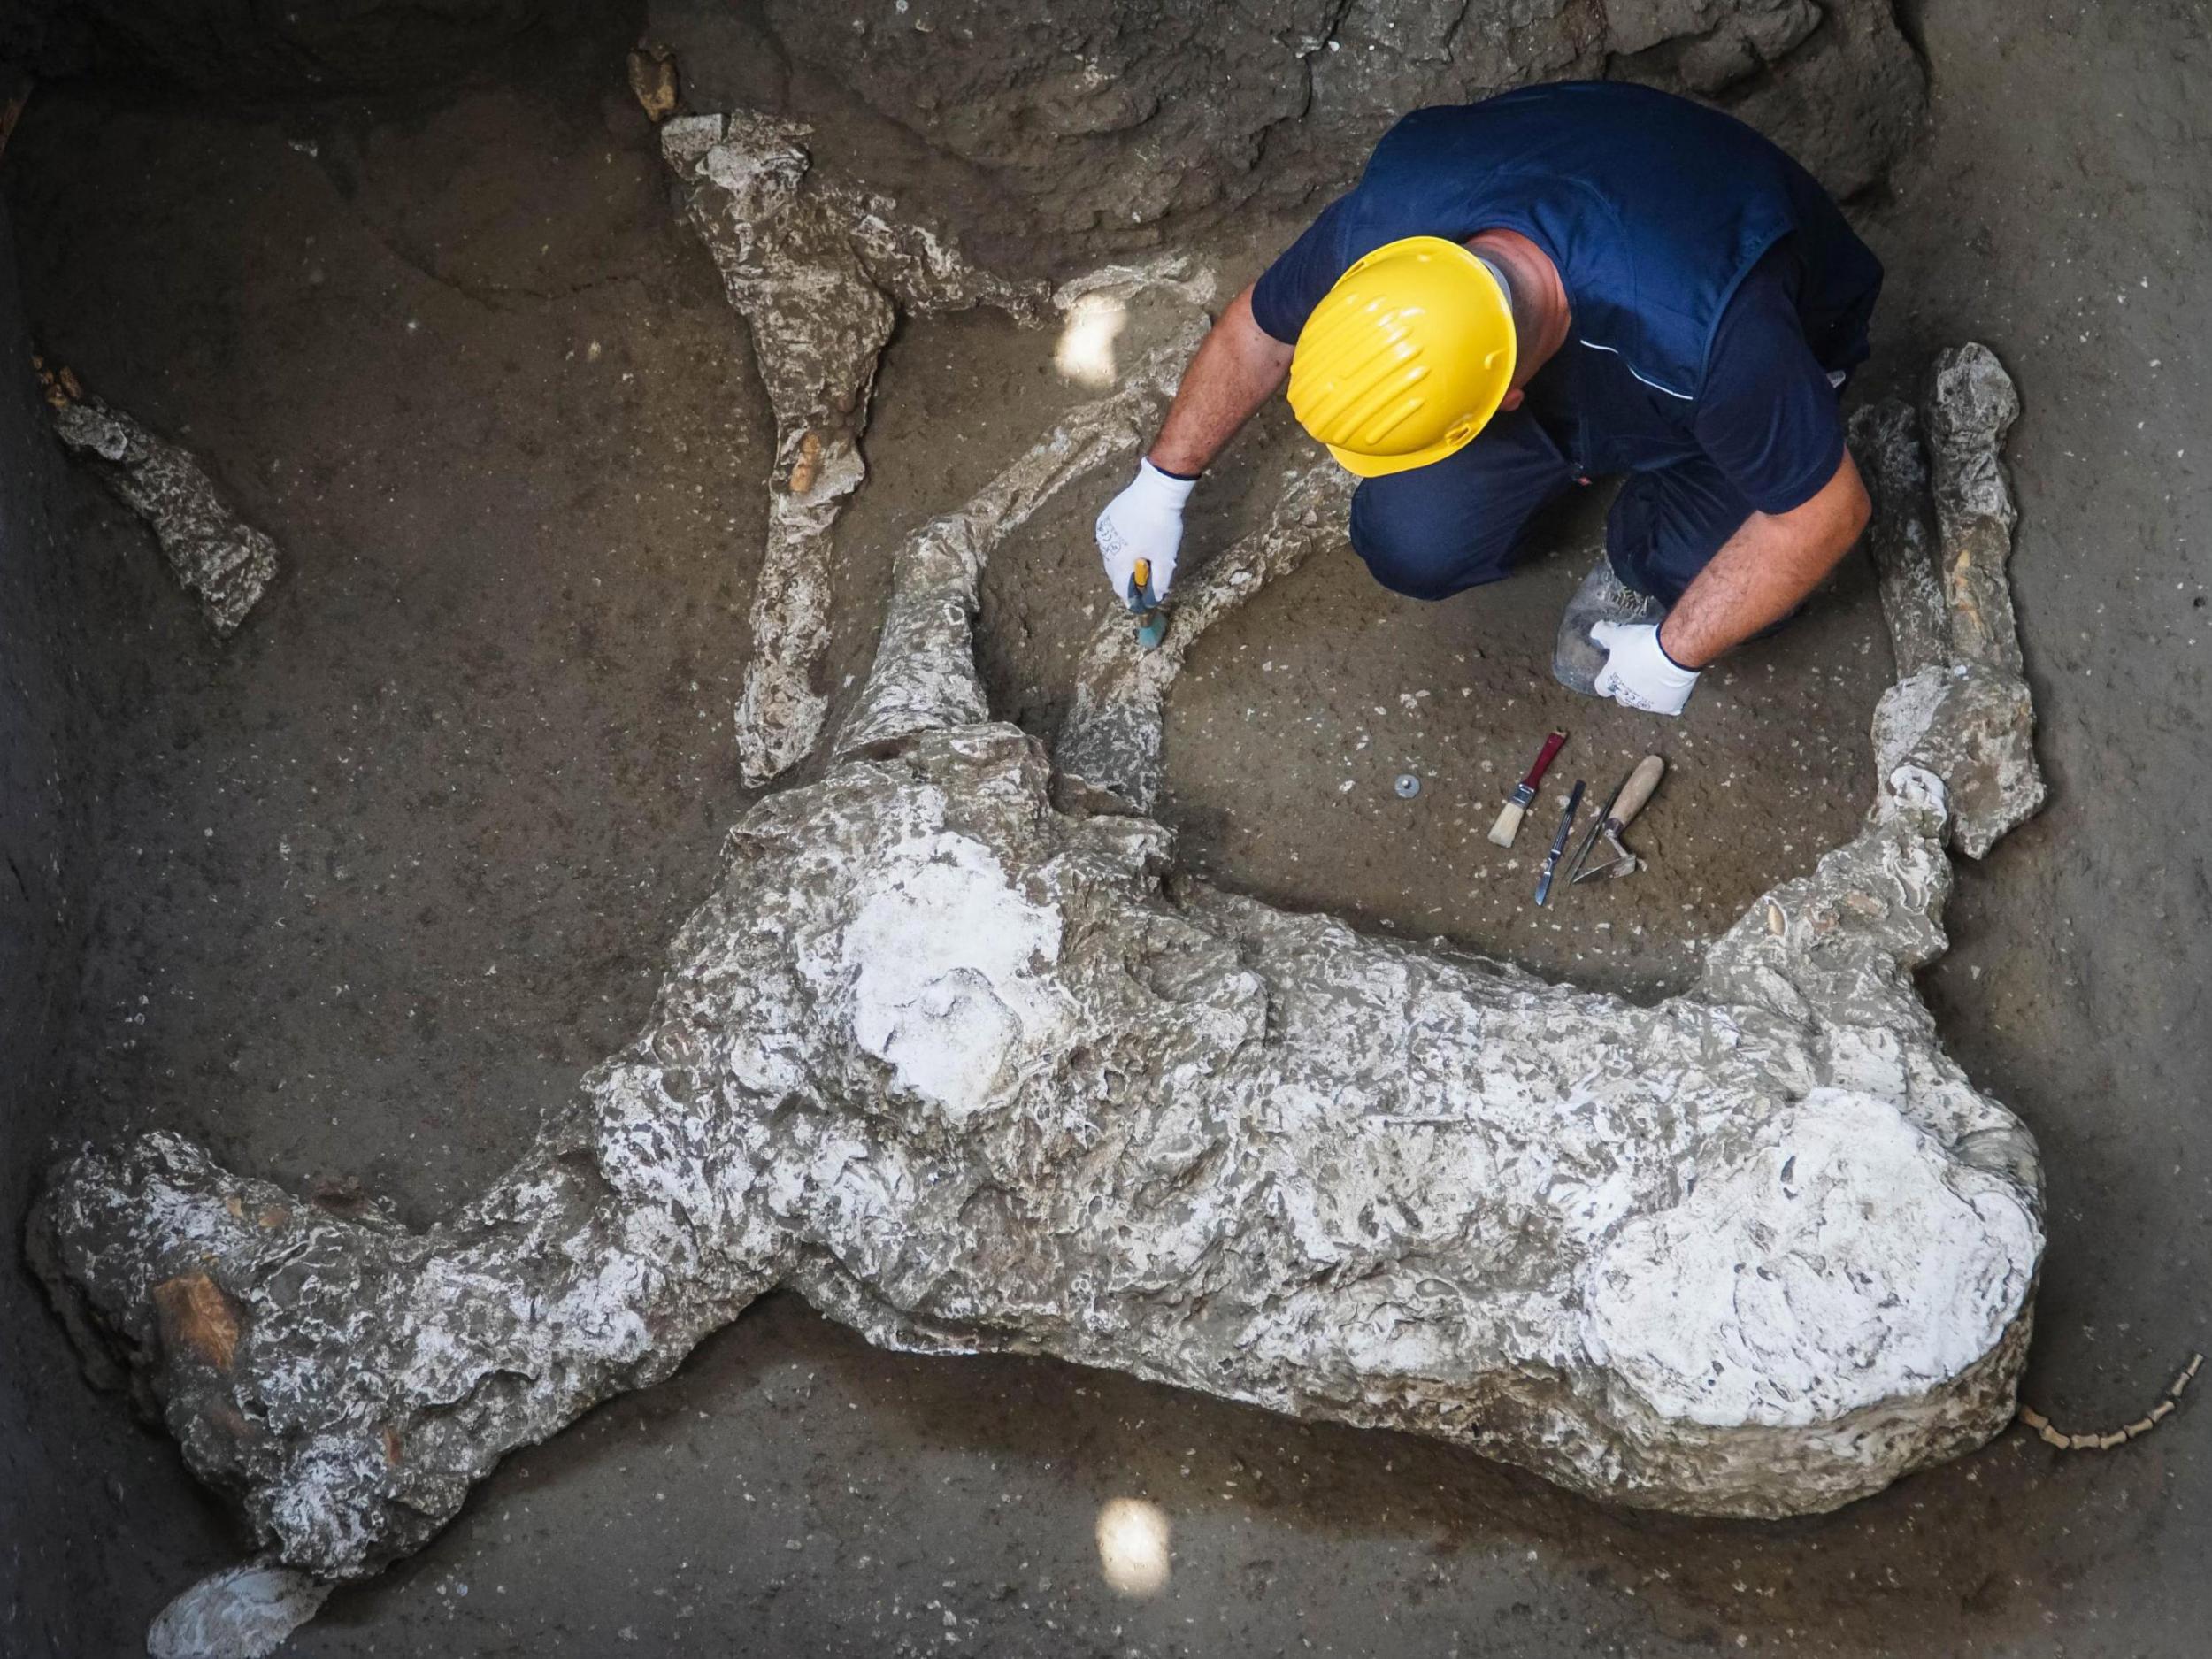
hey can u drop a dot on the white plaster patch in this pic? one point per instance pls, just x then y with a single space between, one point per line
1831 1268
952 989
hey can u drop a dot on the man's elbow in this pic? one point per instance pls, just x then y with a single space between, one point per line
1857 516
1862 504
1850 509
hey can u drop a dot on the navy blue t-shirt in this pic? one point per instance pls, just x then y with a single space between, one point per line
1769 418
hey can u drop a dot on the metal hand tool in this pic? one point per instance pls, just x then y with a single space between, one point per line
1627 800
1559 843
1508 824
1151 620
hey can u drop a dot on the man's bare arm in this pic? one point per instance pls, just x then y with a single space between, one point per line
1237 368
1770 563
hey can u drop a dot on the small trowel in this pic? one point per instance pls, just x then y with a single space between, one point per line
1627 800
1151 620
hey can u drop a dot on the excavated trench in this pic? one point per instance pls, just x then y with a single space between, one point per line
352 896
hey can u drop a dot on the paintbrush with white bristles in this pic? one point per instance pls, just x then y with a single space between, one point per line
1508 824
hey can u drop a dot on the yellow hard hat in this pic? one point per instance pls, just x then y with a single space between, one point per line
1406 358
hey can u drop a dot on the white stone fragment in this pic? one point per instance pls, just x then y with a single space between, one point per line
1941 541
219 558
818 270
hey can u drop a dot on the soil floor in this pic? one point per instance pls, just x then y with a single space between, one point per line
383 874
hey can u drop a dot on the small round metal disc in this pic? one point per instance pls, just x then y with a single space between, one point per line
1407 786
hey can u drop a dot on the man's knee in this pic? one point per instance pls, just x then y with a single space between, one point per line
1421 555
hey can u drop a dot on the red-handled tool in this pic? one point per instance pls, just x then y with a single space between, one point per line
1508 824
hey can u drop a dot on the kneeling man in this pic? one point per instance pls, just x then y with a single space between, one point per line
1521 295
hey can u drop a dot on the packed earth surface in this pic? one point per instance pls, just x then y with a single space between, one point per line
374 879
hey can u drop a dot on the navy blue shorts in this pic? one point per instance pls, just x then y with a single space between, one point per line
1459 522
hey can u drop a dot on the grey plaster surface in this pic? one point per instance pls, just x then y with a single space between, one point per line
972 1073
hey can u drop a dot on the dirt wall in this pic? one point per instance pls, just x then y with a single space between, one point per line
83 1506
243 46
1045 133
41 822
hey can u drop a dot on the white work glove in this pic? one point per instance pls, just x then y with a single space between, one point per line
1637 671
1144 522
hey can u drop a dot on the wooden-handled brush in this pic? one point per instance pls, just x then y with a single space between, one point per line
1508 824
